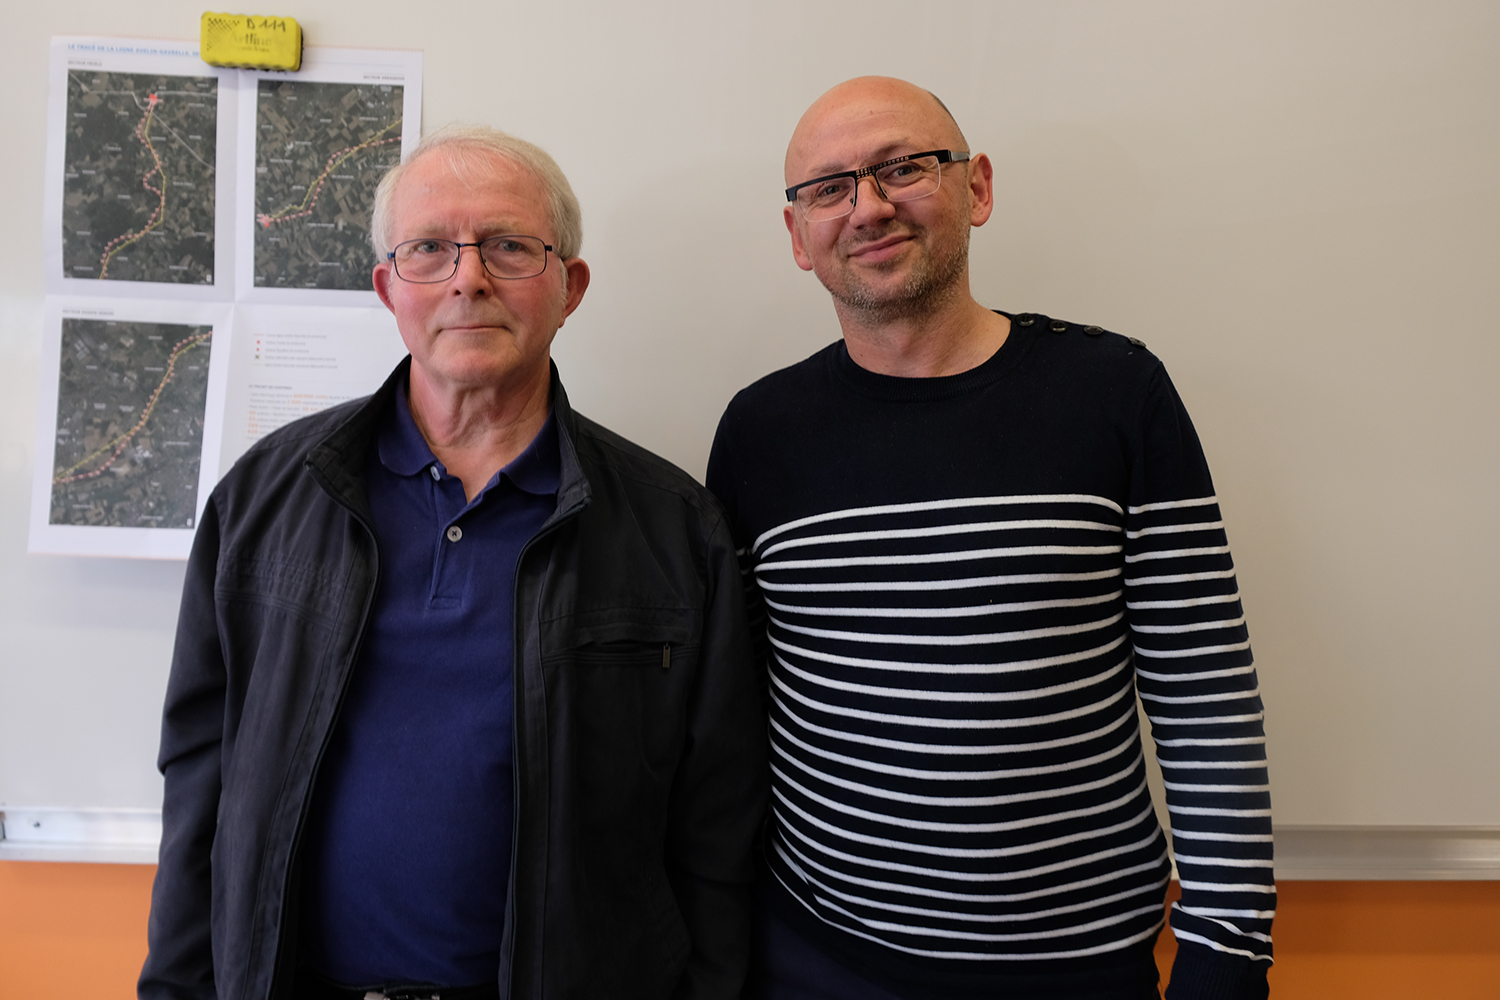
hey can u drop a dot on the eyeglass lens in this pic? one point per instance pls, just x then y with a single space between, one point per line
432 260
907 180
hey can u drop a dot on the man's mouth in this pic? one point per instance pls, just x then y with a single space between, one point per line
472 324
881 249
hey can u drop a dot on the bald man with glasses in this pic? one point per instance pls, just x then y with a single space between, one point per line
975 537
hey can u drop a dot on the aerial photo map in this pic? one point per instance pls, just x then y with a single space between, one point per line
138 178
130 406
321 148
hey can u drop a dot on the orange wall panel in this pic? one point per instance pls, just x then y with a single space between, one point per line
72 931
1381 941
69 931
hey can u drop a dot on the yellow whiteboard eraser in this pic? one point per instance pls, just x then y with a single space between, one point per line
248 41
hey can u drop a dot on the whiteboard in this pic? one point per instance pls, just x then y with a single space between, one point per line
1295 204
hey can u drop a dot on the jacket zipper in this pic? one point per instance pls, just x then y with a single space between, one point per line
515 730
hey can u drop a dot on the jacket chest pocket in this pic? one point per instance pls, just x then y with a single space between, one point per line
642 655
617 701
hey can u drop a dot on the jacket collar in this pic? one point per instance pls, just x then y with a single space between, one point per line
338 460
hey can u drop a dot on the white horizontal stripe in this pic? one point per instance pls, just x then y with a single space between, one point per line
1227 838
1184 859
975 918
920 694
879 767
914 721
1209 911
1205 550
937 558
1178 654
1190 627
1234 929
938 531
1209 811
923 892
1228 741
1176 529
957 503
1207 720
957 749
1210 765
939 669
988 956
967 876
1149 581
1200 675
1012 850
1201 699
977 639
975 610
1186 602
877 904
962 583
1225 887
1183 935
935 826
954 935
1147 508
1177 786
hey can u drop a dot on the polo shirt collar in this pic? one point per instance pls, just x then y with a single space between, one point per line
403 450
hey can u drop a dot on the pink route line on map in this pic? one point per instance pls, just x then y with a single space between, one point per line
310 202
119 443
141 133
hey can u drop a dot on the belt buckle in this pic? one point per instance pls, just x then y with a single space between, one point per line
404 993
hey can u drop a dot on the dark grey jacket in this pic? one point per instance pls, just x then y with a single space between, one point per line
640 764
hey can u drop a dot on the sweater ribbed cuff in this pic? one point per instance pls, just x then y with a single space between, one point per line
1200 973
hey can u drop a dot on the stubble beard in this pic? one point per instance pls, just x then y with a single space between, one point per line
932 280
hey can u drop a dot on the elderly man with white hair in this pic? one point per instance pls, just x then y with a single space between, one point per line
462 703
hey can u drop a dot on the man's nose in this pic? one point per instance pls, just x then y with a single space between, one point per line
871 205
471 276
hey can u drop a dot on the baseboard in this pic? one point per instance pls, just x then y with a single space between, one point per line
105 836
1303 853
1387 853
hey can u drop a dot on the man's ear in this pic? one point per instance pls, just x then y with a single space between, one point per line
578 283
981 190
799 253
382 277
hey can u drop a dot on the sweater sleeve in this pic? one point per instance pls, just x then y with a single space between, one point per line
1196 678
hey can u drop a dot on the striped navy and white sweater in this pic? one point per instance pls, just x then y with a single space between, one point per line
966 583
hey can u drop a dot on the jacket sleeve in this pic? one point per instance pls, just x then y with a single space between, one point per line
179 965
719 795
1197 681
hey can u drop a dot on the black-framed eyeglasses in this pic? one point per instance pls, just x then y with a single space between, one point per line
905 178
429 260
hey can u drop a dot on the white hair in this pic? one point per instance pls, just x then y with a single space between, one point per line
470 151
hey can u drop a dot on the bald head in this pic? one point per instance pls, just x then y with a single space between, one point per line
876 112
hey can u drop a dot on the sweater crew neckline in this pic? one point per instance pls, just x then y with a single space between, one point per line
902 387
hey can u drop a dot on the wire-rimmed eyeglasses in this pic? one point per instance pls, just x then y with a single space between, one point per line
430 260
905 178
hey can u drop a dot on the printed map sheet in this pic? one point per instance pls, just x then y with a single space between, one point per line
208 265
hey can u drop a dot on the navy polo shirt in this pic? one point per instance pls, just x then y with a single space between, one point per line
405 860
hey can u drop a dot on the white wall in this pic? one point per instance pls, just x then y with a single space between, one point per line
1296 204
